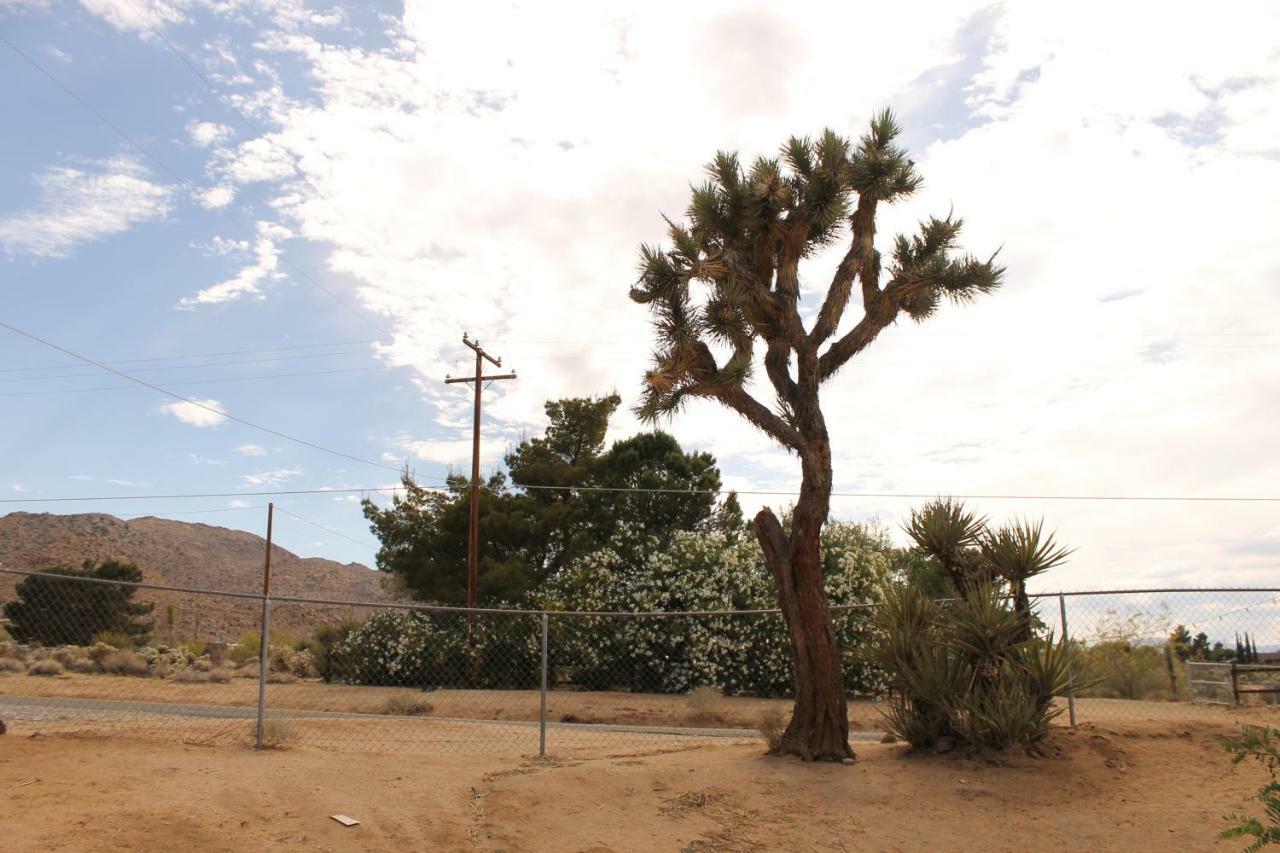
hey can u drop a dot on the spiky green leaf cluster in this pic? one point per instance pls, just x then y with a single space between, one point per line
743 224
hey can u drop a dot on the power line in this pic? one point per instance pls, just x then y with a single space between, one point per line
198 404
241 494
757 492
205 355
216 381
230 363
190 186
322 527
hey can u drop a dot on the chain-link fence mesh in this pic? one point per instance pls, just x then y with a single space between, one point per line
80 655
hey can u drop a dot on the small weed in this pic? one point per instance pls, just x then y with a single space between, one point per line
401 705
276 734
771 725
704 704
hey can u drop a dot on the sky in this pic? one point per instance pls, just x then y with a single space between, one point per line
291 213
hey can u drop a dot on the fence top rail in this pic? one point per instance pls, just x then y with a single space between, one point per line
515 611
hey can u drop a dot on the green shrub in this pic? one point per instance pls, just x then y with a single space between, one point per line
1262 745
115 639
59 608
968 672
247 648
48 666
196 649
321 646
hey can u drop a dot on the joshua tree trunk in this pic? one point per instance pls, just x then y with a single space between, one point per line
819 727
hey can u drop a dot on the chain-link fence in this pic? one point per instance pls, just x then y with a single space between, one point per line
85 655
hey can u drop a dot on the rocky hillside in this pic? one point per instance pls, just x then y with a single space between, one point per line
202 556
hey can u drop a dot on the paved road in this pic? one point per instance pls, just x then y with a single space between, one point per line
49 709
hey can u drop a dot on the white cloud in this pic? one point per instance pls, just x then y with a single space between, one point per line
204 460
238 504
137 484
531 162
216 198
246 283
207 133
251 450
80 477
80 205
18 487
274 477
195 415
138 15
56 53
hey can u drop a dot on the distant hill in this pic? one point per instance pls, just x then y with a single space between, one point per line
179 553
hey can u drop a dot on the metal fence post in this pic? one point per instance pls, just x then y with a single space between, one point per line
263 655
542 709
264 651
1066 638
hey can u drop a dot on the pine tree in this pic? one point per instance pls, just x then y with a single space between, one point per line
748 230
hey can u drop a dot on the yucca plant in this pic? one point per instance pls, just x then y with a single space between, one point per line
972 669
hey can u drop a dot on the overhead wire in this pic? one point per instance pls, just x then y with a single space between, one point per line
197 403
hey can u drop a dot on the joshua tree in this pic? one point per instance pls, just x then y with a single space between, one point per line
748 230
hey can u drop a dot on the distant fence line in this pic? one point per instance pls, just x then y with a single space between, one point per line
474 678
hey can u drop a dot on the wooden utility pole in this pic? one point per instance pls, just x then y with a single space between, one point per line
473 540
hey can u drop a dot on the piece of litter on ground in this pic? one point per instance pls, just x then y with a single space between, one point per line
28 782
344 820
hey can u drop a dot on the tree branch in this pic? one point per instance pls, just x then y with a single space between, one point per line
859 261
873 322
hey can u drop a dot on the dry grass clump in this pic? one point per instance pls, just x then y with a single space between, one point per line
11 665
192 675
280 678
48 666
771 724
122 662
704 704
402 705
276 734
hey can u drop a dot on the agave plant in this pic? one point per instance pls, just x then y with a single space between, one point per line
973 669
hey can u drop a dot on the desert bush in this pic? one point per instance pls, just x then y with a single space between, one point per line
1262 745
322 644
115 639
188 676
295 662
705 703
8 664
247 648
406 705
48 666
195 648
219 675
771 724
280 678
276 734
249 670
1121 669
123 662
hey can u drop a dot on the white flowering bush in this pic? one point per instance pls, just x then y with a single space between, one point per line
744 654
414 648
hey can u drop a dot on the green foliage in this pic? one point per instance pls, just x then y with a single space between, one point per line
56 608
115 639
1126 659
706 571
417 649
1263 745
534 527
971 668
966 670
321 646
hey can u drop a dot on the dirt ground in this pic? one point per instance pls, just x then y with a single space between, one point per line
1139 787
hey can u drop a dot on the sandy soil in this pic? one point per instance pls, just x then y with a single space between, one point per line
563 705
1142 787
